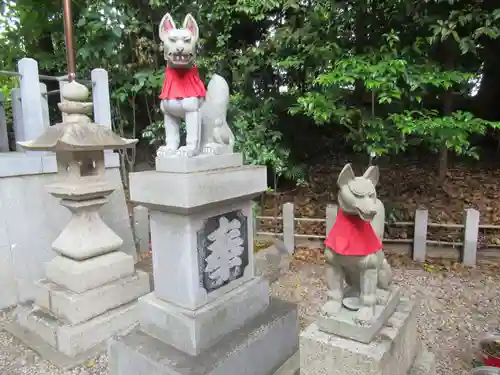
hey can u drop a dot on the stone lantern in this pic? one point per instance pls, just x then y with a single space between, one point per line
79 145
90 288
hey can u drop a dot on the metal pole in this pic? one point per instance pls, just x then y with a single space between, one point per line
68 33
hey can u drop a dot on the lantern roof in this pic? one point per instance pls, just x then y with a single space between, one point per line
77 132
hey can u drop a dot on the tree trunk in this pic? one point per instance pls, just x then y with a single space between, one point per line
443 153
450 49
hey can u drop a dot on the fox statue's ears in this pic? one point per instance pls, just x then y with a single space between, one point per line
346 175
191 25
166 24
372 174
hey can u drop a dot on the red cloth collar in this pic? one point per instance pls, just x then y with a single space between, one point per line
181 83
352 236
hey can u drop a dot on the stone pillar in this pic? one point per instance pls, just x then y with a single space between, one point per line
209 313
90 288
31 99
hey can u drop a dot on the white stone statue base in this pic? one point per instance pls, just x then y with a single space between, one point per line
396 349
343 324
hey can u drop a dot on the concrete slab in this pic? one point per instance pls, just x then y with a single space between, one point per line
194 331
393 351
72 341
343 324
75 308
204 162
80 276
261 347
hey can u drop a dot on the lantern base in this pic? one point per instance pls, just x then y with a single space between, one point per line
86 234
75 344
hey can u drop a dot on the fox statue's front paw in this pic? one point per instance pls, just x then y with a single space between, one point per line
166 151
213 148
188 151
332 307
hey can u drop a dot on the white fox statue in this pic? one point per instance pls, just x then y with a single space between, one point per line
184 96
354 248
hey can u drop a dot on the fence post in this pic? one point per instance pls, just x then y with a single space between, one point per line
471 234
31 99
255 225
289 227
17 117
331 216
141 228
45 105
100 97
4 134
420 234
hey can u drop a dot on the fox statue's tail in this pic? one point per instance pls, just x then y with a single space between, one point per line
214 110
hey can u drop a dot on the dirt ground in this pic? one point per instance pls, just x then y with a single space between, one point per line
457 306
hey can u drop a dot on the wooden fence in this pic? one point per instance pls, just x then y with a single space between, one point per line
420 243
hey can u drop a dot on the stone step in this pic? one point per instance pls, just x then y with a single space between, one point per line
260 347
193 331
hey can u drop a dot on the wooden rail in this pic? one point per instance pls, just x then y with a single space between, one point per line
468 245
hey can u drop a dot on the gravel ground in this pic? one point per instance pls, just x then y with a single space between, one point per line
457 306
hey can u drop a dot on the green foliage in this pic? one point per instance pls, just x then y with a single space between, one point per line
260 145
378 71
397 78
452 131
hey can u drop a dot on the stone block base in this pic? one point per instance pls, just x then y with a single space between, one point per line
260 347
75 308
392 352
71 341
204 162
343 324
80 276
193 331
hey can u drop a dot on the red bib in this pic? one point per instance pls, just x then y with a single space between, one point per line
181 83
352 236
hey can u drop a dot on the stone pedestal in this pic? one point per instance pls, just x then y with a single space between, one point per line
209 313
395 350
79 305
91 288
